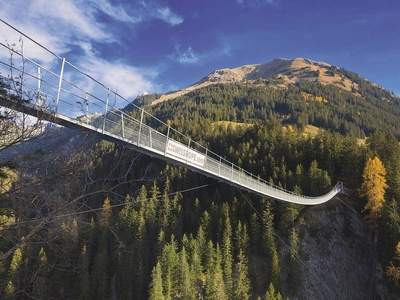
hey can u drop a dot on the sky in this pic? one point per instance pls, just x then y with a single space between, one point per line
159 46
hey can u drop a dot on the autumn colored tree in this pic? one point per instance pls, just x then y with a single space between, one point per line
104 220
373 188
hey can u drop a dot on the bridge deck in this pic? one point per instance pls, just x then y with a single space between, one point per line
132 133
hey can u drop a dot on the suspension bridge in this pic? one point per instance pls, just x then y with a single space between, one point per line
74 99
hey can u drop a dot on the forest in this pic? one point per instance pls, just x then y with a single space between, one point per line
94 220
360 112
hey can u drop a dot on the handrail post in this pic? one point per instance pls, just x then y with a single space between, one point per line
151 139
140 126
166 145
59 84
87 107
38 93
187 152
205 161
122 125
106 108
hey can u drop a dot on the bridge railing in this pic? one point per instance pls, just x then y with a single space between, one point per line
67 92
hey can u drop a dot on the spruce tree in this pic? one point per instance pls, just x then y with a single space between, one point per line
156 285
186 284
13 284
270 244
227 257
271 294
241 282
42 276
215 285
84 279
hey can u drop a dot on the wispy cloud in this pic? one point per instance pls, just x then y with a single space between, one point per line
258 3
190 57
69 24
186 57
148 10
127 80
164 13
117 12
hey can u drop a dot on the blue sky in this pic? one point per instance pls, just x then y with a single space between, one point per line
159 46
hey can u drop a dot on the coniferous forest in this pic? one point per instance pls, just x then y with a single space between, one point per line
95 220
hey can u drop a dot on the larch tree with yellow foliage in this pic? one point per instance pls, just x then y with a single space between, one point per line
373 188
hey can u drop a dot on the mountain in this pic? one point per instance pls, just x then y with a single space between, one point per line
280 71
105 222
299 92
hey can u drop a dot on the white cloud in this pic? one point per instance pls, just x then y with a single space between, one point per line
168 16
128 81
58 26
65 25
188 57
257 3
117 12
151 10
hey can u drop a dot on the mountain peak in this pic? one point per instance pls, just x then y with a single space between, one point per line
280 72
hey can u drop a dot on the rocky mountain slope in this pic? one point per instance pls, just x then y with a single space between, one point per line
280 71
337 248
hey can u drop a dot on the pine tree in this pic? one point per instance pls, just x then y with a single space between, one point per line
317 179
255 232
373 188
165 209
202 243
13 283
209 258
150 210
271 294
156 285
196 265
227 258
241 281
42 280
176 221
170 269
105 215
270 244
241 238
186 284
294 245
140 248
215 286
206 225
84 280
100 283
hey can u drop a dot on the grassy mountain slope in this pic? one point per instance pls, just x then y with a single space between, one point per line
299 92
282 72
